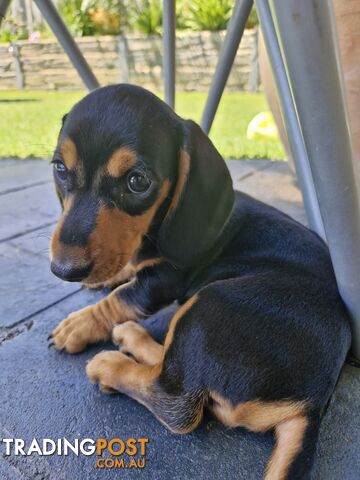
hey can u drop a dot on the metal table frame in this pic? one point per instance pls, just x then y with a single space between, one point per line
302 46
301 42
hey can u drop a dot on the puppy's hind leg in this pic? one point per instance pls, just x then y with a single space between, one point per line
295 449
295 428
114 371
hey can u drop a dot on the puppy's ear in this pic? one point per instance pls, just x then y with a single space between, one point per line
64 119
202 201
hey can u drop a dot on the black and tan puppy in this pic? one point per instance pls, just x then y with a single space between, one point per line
262 333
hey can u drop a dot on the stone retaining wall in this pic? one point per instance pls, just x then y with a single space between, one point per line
132 58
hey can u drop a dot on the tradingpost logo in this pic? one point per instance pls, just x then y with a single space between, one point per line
127 453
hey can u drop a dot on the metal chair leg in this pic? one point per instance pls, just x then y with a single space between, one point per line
307 34
64 37
4 5
296 141
169 51
226 59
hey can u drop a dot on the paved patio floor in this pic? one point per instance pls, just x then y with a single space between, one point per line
44 394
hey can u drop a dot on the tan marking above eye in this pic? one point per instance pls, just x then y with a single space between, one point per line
120 161
69 153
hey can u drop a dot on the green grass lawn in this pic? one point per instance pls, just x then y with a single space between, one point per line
30 121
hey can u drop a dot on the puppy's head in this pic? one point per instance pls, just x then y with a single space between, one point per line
127 168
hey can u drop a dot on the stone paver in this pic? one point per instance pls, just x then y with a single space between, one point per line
31 172
276 187
36 242
27 285
27 210
45 394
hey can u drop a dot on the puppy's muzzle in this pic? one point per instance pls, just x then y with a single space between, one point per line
69 272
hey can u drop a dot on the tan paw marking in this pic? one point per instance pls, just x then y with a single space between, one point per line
78 330
134 339
128 334
107 369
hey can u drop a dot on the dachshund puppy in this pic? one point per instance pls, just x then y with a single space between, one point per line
261 333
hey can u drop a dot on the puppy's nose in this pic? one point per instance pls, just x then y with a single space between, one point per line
70 273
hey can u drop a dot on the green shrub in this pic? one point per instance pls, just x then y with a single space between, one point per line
209 14
12 30
253 20
93 17
145 15
76 17
182 13
111 17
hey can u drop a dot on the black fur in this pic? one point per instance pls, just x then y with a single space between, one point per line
208 195
269 323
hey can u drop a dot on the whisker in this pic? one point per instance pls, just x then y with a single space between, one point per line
42 235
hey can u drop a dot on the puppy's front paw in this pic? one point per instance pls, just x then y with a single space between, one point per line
135 340
107 369
128 335
78 330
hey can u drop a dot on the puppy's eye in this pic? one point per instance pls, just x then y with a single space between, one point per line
138 182
60 168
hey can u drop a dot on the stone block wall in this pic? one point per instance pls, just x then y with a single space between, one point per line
132 58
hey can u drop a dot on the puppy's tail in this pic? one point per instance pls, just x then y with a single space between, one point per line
295 448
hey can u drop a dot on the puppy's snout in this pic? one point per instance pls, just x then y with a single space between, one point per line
70 272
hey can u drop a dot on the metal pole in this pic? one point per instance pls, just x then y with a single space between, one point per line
19 74
169 51
29 16
254 72
4 5
307 32
64 37
296 141
226 59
